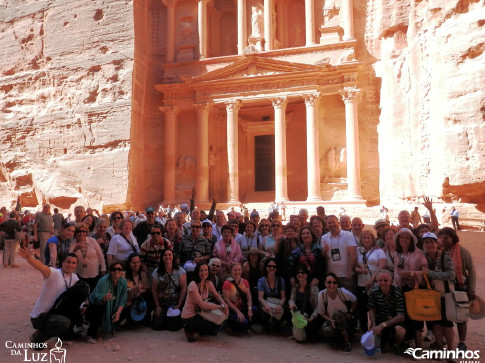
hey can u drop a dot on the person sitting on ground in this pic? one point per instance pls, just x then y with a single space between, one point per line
137 287
336 306
387 313
271 295
169 285
107 302
304 299
44 319
198 292
237 295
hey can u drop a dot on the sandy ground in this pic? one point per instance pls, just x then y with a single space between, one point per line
21 287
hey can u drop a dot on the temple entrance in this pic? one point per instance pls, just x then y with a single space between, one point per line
264 163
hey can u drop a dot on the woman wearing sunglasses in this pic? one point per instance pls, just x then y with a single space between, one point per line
336 306
106 302
271 295
91 265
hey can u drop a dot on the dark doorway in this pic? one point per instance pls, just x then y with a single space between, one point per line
264 163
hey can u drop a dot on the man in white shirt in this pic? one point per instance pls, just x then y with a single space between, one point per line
340 251
56 281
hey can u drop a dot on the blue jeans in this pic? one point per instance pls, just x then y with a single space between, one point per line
50 325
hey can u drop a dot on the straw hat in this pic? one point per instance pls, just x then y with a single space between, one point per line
255 251
477 308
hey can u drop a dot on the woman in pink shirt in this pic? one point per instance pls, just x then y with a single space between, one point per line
197 295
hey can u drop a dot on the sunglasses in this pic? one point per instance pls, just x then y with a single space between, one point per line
276 225
271 266
155 233
116 269
81 231
216 266
194 226
264 225
331 283
117 218
302 273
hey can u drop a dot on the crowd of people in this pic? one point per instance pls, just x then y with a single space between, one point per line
326 277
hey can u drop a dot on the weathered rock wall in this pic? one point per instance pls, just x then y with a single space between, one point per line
431 64
65 101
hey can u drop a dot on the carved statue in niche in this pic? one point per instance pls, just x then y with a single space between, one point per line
336 162
186 30
256 22
331 12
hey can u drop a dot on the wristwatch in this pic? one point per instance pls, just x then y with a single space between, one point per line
384 324
223 306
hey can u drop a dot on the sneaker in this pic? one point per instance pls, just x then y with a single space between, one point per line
429 336
78 329
462 346
347 348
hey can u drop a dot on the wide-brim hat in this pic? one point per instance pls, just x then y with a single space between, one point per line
381 221
408 231
189 266
138 309
477 308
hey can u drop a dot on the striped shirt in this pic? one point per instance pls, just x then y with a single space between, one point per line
386 308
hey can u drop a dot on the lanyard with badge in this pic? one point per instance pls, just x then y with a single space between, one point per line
335 251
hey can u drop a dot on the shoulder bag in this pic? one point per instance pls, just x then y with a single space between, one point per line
423 304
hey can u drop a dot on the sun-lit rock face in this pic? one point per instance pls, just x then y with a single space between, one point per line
80 119
65 101
431 62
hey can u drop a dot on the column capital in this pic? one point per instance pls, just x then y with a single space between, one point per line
311 99
170 109
279 102
349 94
201 107
169 3
233 105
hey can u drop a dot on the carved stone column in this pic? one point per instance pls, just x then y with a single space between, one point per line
313 148
202 186
170 156
309 22
281 172
170 51
349 96
202 25
268 24
347 11
241 26
232 108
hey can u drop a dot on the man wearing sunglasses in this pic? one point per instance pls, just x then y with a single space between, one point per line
151 249
143 229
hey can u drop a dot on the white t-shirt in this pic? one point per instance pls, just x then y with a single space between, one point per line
373 256
336 304
53 287
341 242
120 249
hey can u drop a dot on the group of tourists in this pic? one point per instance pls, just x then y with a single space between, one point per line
324 277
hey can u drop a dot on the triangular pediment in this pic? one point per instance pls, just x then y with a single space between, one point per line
254 66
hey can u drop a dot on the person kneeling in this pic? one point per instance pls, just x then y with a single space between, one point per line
106 302
336 305
387 313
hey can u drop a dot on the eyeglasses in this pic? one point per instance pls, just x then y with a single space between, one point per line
116 218
116 269
264 225
276 225
150 213
302 273
81 231
194 226
155 233
207 226
383 280
271 266
331 283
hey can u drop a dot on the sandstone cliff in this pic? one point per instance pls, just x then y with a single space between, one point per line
65 86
